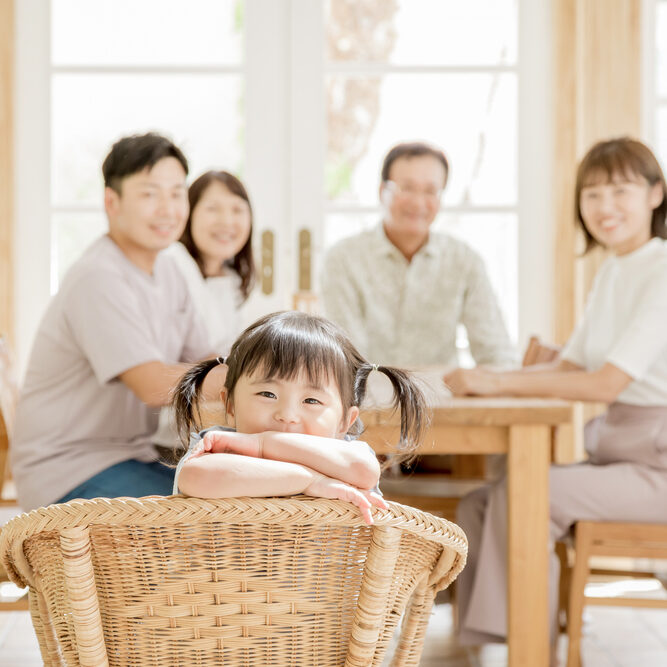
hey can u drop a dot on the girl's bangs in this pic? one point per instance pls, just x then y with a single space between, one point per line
289 353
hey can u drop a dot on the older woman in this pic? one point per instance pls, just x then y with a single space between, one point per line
616 355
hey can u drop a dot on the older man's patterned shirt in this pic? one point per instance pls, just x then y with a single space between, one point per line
406 313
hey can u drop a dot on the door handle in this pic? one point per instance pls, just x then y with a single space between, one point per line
267 267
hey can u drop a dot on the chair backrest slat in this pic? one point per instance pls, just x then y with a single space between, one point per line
82 594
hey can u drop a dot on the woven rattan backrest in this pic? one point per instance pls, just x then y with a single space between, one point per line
183 581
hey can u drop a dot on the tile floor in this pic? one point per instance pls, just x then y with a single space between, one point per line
614 638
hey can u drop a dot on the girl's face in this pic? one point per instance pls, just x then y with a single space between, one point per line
220 226
618 212
293 406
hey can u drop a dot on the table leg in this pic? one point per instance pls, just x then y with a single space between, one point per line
528 558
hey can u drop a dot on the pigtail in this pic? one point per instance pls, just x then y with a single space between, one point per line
185 401
408 398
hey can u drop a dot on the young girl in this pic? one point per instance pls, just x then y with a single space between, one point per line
616 355
292 393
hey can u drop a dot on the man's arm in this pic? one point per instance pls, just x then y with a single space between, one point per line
153 383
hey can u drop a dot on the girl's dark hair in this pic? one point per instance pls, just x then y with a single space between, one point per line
242 262
625 157
285 344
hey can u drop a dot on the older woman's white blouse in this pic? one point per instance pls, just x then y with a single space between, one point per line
625 323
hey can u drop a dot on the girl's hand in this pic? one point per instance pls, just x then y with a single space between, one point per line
327 487
472 382
230 442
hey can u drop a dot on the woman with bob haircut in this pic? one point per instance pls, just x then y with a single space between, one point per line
617 355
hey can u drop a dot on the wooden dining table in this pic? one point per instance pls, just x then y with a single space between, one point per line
532 433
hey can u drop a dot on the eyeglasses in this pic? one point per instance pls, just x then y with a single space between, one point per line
431 195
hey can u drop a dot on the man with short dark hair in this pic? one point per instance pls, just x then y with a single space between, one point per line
109 349
400 290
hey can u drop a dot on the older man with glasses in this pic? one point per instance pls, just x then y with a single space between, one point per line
400 290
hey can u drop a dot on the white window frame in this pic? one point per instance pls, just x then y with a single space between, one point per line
283 99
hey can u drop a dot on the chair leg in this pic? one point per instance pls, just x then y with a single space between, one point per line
563 585
580 571
46 634
413 628
455 607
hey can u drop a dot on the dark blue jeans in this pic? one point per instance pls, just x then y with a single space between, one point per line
129 478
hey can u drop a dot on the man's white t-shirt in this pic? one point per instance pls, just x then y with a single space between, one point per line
625 323
75 418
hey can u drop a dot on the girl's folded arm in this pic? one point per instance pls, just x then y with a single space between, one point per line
232 476
352 461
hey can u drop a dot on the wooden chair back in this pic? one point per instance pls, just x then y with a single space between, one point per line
611 539
241 582
538 352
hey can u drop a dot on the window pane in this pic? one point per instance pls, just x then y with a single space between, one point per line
493 236
338 226
202 113
146 32
418 32
73 232
661 47
473 117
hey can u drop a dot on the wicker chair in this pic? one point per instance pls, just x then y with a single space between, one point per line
248 581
